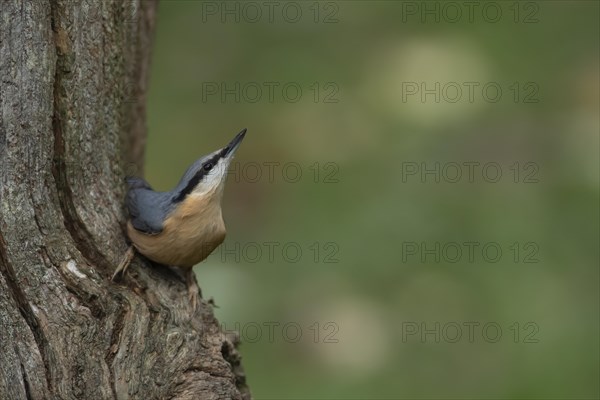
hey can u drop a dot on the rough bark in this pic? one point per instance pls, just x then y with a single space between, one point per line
72 122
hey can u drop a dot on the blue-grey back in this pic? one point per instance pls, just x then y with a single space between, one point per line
147 208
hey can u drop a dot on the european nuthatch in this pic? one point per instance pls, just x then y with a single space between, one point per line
183 226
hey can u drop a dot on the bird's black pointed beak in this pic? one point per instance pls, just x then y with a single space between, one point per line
234 144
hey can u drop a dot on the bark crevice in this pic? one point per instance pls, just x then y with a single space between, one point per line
25 310
75 226
25 382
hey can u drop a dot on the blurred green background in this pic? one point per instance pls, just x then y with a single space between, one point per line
369 286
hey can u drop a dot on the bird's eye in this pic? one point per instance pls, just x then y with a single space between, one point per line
207 166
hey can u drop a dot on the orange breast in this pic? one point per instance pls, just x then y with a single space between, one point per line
190 234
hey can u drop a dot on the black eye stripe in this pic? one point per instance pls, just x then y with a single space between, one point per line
201 173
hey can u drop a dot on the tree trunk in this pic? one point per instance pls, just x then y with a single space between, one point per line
72 123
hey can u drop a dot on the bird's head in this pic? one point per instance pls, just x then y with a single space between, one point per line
208 174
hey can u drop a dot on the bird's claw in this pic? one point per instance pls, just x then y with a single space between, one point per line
193 289
125 262
193 297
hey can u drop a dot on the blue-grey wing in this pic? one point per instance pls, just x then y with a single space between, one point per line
145 207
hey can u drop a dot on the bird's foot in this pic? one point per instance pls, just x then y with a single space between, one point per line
193 289
125 262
